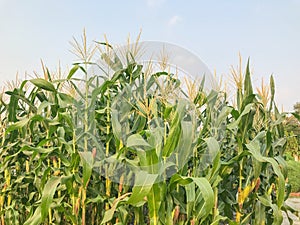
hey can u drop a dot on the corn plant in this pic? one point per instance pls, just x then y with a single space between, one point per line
128 146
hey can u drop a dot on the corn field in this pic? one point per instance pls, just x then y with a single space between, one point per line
137 148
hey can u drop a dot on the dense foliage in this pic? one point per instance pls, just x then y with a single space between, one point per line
292 127
193 158
294 175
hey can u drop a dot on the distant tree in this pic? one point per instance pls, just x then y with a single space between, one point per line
292 127
292 145
297 108
293 124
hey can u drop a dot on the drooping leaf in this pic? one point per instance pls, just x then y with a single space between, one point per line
43 84
47 196
235 123
18 125
108 215
137 140
143 184
35 219
87 161
72 71
254 148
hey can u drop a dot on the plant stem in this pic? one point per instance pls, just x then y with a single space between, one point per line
50 216
83 205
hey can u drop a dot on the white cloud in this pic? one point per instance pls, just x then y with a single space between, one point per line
174 20
155 3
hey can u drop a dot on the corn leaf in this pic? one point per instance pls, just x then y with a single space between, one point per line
47 196
43 84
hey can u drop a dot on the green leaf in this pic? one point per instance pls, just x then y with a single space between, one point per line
72 71
223 115
272 87
205 189
207 194
254 148
185 146
248 90
296 115
175 130
260 216
42 106
35 219
87 161
117 128
137 140
13 106
210 152
190 191
18 125
47 196
266 201
43 84
104 43
109 214
115 64
235 123
155 199
65 99
142 186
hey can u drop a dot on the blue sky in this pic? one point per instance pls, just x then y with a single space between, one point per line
267 31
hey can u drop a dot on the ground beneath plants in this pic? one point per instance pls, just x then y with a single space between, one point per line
295 203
